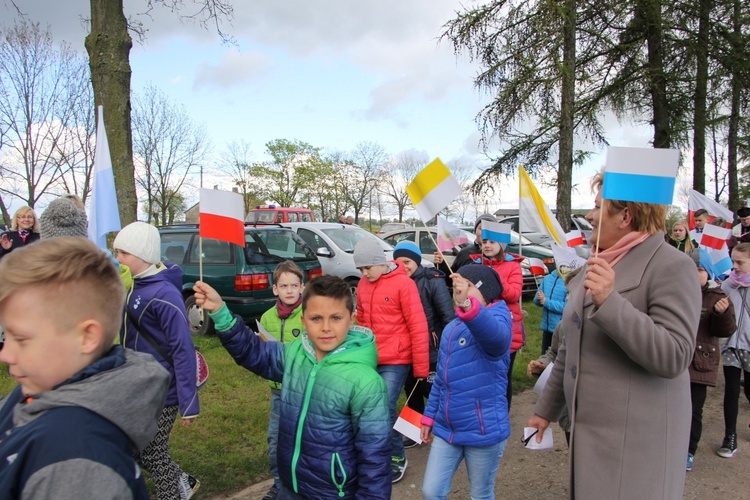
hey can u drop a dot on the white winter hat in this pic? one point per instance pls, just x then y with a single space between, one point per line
140 239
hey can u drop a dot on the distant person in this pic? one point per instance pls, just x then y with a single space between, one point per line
467 414
439 311
24 230
388 303
342 219
717 320
464 256
701 219
350 220
284 322
334 427
551 297
156 323
735 351
741 232
680 237
63 217
82 404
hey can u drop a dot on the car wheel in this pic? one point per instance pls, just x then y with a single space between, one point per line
353 284
200 323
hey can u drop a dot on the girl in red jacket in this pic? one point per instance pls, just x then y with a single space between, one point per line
388 303
508 266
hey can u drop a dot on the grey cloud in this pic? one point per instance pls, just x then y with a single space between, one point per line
233 70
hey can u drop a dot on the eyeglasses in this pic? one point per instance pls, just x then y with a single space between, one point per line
25 217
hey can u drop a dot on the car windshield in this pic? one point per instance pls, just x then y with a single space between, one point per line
347 238
261 216
274 245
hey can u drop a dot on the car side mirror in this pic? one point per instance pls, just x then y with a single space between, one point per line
323 252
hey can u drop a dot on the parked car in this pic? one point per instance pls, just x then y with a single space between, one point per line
392 226
334 243
242 276
428 248
577 221
272 214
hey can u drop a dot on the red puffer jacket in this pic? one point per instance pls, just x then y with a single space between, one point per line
392 309
509 269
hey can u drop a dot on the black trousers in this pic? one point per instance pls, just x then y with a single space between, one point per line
732 377
698 398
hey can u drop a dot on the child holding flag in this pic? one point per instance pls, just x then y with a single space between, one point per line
551 297
469 417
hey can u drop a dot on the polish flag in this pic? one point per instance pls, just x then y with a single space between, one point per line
222 216
409 423
536 266
714 236
575 238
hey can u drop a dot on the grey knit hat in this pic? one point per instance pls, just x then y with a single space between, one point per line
141 240
485 279
482 217
63 218
368 252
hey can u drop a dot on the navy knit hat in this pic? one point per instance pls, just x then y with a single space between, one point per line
485 279
407 249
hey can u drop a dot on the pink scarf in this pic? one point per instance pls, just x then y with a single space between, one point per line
620 249
739 280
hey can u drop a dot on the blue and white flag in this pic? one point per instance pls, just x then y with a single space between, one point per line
104 217
496 231
645 175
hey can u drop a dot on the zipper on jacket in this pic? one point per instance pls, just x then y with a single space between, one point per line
336 464
301 422
479 415
282 331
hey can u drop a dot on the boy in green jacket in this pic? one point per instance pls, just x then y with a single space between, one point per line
284 322
333 428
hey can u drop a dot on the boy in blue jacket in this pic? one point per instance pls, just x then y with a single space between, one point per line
156 323
468 409
69 428
333 430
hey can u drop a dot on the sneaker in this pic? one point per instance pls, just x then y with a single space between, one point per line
398 468
271 494
728 446
408 443
689 464
188 486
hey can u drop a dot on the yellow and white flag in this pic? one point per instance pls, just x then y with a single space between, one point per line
433 189
534 214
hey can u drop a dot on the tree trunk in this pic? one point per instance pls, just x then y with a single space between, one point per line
108 46
657 82
734 116
567 104
701 92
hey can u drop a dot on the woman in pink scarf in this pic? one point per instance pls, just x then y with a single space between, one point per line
23 230
629 328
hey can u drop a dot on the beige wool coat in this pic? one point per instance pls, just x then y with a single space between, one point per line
622 371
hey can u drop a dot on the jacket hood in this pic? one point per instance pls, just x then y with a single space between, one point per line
359 347
125 387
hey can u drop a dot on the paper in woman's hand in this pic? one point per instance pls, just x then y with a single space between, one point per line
529 439
539 386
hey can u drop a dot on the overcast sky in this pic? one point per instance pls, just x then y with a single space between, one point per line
330 73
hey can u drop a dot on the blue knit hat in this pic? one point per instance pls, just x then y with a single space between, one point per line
407 249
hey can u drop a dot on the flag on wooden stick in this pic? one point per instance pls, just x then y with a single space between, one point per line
222 216
645 175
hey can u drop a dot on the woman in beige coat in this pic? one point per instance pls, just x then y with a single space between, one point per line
629 329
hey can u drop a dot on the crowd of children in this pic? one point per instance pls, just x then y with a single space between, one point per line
335 371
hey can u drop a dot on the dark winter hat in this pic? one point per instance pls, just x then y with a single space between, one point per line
63 218
482 217
368 252
743 212
485 279
407 249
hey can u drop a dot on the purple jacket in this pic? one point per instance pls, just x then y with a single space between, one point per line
155 306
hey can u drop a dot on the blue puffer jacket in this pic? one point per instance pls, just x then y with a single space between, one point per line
155 305
554 289
437 303
468 405
334 427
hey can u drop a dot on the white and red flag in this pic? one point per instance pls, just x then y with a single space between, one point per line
715 209
222 216
575 238
536 266
409 423
715 237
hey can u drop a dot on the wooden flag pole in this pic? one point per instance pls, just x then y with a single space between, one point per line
429 233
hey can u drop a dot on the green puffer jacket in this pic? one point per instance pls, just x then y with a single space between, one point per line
284 330
334 426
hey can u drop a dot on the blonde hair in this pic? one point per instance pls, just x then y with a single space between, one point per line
647 217
688 240
76 279
75 199
23 211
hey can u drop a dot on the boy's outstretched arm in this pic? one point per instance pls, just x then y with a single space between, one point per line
206 297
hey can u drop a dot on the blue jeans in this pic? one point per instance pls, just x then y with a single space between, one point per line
273 436
394 377
444 459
